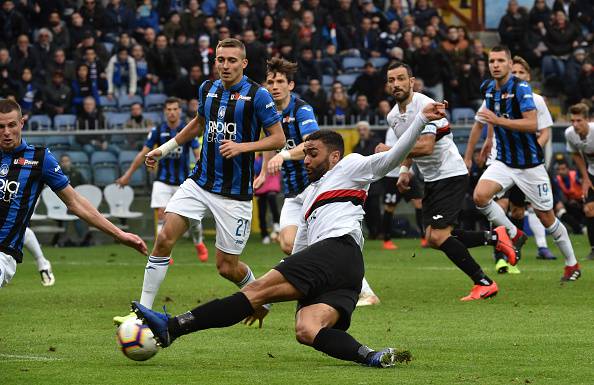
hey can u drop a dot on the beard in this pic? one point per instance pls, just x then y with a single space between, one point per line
314 174
405 95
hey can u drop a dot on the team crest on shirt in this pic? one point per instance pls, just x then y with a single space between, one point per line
221 113
4 170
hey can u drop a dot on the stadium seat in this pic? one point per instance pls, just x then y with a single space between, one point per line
108 105
39 123
93 195
105 168
154 102
119 199
65 122
116 120
347 80
155 117
327 80
80 160
125 102
56 209
138 178
352 64
462 115
379 62
58 142
35 140
108 47
36 216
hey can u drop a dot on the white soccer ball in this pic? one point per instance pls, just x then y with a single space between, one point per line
136 340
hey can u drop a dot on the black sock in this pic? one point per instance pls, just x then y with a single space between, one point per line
519 223
218 313
419 219
339 344
458 253
474 238
388 221
590 225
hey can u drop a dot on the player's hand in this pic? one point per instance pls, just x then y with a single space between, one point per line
152 158
586 186
133 241
275 164
258 315
230 149
381 148
435 111
403 183
123 180
259 181
468 162
487 116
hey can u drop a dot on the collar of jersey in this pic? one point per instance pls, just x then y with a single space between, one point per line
290 106
18 148
236 87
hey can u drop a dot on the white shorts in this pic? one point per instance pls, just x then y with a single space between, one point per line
533 182
7 268
162 193
290 213
232 217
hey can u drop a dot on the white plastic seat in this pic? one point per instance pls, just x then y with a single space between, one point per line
119 200
35 216
56 209
93 195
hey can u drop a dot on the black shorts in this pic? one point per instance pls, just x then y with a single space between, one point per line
590 197
329 271
443 201
392 196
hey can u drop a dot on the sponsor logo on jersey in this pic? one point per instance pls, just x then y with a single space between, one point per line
211 95
4 170
219 131
306 122
269 105
507 96
288 119
57 169
437 217
8 189
238 96
26 162
307 108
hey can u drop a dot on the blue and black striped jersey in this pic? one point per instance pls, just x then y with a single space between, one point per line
23 174
175 167
238 114
515 149
298 121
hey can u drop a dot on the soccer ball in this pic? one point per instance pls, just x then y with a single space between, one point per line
136 340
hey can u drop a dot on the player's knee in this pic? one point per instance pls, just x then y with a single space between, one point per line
481 199
226 269
517 213
305 335
164 244
589 210
435 239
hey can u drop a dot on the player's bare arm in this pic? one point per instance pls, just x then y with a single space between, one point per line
423 147
580 163
475 134
274 141
83 209
194 128
526 124
275 164
487 145
543 136
261 178
136 163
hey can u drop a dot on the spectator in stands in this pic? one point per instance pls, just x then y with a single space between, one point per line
267 195
370 83
57 95
361 109
94 15
210 30
61 35
186 88
29 94
432 66
367 40
45 48
390 38
184 51
89 41
121 74
206 56
308 68
257 55
124 41
137 119
6 86
286 36
573 70
25 55
224 32
423 13
295 11
209 7
366 146
561 38
569 182
77 29
477 51
456 48
395 11
410 25
192 20
316 97
340 105
76 177
96 68
191 110
512 28
586 82
13 23
82 87
91 118
222 15
331 62
146 17
468 91
319 11
59 63
268 33
419 86
162 63
119 19
172 27
243 19
346 17
383 109
148 39
540 14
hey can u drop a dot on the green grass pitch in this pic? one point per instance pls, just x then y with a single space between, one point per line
536 331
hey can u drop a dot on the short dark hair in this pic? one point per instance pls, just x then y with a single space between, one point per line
231 43
580 109
331 139
9 105
502 48
171 100
399 64
281 66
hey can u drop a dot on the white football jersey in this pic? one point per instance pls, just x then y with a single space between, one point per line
543 120
333 205
445 161
584 146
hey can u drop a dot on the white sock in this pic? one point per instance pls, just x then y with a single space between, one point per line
495 214
154 274
196 231
249 277
32 244
366 290
561 238
538 229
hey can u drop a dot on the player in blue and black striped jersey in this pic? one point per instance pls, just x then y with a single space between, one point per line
510 109
231 114
24 171
173 169
298 122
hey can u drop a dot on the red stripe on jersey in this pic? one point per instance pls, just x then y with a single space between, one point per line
442 131
357 197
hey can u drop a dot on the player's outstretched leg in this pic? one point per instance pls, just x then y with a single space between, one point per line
43 265
367 296
197 237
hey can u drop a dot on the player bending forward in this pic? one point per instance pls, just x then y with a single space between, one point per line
324 273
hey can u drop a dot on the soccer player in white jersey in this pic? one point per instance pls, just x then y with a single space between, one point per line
514 197
520 159
446 181
580 143
43 265
324 273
